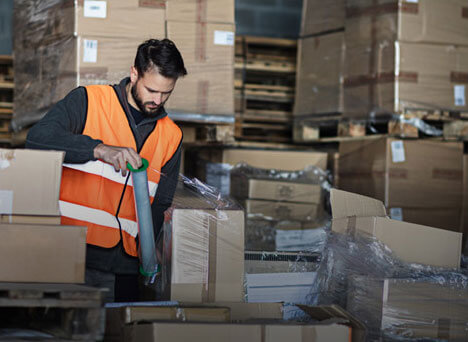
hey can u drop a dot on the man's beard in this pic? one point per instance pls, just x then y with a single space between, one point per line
142 106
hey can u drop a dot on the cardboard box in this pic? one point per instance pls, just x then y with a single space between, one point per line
47 73
319 76
280 210
320 18
257 262
115 18
464 218
410 242
42 254
269 189
205 11
391 77
30 182
397 172
204 255
30 219
410 307
422 21
176 332
117 318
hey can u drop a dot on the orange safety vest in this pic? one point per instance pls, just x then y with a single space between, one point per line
91 193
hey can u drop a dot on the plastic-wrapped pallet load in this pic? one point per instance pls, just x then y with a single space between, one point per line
404 55
381 271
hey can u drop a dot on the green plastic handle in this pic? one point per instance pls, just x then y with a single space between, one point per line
143 167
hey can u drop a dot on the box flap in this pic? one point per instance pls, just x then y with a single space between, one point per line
345 204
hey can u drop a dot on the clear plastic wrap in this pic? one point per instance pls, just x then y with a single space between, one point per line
318 18
356 272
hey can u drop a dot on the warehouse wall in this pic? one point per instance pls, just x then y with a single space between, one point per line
6 10
271 18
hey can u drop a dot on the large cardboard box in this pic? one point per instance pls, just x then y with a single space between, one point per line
410 242
274 190
205 11
46 20
203 255
464 215
118 317
30 182
318 17
208 52
30 219
45 74
396 77
280 210
42 254
319 76
410 307
175 332
428 21
420 181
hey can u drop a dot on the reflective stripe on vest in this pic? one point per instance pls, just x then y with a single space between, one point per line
93 194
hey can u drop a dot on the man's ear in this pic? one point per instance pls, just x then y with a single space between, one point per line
133 74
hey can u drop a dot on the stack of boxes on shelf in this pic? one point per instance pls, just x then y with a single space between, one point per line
204 32
6 97
320 62
60 46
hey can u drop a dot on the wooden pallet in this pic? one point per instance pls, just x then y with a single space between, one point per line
256 128
207 133
65 311
332 127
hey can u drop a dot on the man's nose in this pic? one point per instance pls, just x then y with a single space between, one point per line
158 99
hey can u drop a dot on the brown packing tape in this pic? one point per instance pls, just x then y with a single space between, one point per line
447 174
262 333
443 329
202 95
459 77
465 12
398 173
382 9
200 43
152 3
384 77
201 11
351 227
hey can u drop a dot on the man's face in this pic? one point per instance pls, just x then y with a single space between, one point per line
150 91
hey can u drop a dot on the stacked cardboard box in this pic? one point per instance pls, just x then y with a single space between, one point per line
30 231
420 181
405 55
62 45
204 31
319 86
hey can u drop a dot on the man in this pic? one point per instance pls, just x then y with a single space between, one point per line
101 128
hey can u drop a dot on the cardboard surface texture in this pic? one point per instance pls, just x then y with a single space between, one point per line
282 210
212 11
397 172
206 255
319 18
319 77
30 182
410 242
42 254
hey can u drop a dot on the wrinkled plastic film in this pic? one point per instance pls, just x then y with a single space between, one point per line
147 246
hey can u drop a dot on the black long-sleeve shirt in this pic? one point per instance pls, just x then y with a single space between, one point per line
62 128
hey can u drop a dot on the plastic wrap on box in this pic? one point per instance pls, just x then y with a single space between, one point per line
320 18
355 272
319 76
404 56
203 246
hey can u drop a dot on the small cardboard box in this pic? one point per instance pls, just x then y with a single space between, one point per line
411 307
410 242
274 190
42 254
30 182
203 255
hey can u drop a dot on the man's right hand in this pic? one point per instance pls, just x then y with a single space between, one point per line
118 157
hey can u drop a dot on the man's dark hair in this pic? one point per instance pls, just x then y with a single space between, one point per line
162 55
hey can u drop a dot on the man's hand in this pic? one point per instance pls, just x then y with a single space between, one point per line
118 157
